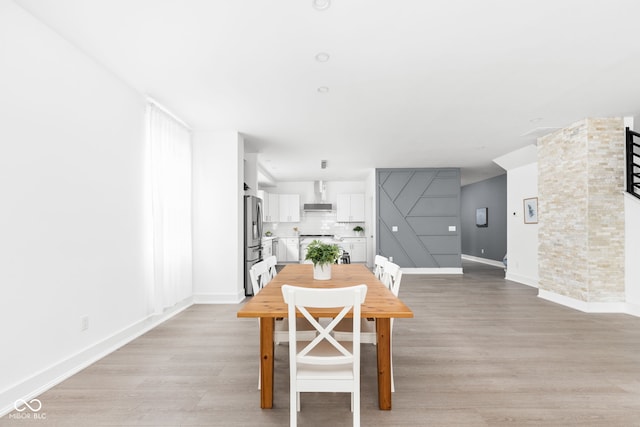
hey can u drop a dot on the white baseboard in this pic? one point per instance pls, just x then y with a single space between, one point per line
218 298
525 280
42 381
590 307
431 270
483 260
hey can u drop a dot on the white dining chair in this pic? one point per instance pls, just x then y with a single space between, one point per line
260 277
272 261
324 364
378 266
391 279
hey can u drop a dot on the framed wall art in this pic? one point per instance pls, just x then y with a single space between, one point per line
481 217
531 210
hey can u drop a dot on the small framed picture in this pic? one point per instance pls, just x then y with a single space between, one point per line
531 210
481 217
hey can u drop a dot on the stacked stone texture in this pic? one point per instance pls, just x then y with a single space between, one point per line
581 211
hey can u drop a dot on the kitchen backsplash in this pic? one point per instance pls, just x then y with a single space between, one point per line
313 223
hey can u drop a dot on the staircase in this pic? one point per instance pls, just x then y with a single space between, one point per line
633 163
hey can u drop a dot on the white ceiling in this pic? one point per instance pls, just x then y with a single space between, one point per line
412 83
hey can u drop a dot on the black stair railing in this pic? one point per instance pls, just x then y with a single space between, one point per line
633 163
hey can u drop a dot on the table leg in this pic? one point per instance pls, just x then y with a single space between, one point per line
383 329
266 362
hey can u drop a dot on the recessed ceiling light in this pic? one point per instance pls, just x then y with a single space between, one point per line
322 57
321 4
323 89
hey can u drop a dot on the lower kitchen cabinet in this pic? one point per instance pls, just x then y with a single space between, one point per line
288 249
357 249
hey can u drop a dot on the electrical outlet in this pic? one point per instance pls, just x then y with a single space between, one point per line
391 258
84 323
481 251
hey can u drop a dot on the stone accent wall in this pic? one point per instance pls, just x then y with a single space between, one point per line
581 211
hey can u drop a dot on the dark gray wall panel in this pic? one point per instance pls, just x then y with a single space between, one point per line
447 261
395 183
433 225
444 187
413 251
449 173
411 258
413 189
441 244
436 206
422 204
491 194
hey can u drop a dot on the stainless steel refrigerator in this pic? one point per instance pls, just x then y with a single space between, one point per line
252 237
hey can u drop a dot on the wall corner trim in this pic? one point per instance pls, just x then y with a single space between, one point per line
212 298
591 307
483 260
524 280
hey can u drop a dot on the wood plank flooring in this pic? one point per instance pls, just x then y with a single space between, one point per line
481 351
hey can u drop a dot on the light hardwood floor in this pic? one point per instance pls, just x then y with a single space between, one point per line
481 351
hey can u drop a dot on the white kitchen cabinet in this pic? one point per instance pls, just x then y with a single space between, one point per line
350 208
289 205
271 208
357 248
288 249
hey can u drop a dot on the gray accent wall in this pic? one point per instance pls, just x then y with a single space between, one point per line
491 194
423 204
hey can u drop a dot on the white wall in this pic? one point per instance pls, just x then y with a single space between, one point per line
218 216
251 173
632 251
73 220
370 212
522 239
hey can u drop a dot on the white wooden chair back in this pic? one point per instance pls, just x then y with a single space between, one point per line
392 277
259 274
271 265
378 266
324 364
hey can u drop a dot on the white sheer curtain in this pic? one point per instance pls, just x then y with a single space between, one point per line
170 163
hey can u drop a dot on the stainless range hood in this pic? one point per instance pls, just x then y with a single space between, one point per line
320 192
318 207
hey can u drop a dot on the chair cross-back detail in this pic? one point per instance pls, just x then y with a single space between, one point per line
391 278
260 275
324 364
378 266
271 266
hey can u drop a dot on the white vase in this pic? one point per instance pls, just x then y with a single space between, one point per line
322 272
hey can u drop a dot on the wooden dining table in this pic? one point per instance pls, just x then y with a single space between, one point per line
379 303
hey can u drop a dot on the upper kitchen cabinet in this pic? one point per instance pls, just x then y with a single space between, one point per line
350 208
289 205
271 207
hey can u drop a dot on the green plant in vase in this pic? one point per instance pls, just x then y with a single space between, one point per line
358 230
322 255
